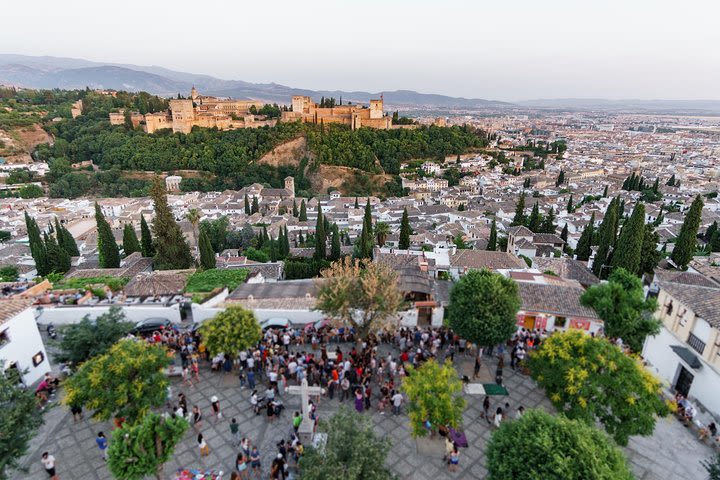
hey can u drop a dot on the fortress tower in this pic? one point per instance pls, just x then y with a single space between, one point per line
183 115
376 108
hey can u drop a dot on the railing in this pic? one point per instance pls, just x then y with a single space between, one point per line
697 344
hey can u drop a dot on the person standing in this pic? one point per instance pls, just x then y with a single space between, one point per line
476 368
498 417
102 444
215 405
196 417
48 462
235 432
486 409
397 400
204 449
359 401
344 389
255 460
454 459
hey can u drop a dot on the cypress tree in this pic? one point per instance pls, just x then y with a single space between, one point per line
286 247
66 240
58 259
656 185
265 236
146 242
356 203
130 240
620 213
274 252
171 249
300 239
492 241
564 233
605 192
37 246
659 218
207 254
671 182
710 231
109 253
366 242
548 224
519 218
686 242
247 205
295 209
534 222
404 242
255 206
583 248
335 252
606 238
320 237
715 242
570 204
560 178
303 211
649 256
627 253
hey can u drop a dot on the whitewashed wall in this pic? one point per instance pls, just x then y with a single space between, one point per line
25 341
72 314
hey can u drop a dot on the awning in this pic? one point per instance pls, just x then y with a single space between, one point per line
689 357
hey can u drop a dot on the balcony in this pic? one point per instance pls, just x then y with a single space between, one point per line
696 344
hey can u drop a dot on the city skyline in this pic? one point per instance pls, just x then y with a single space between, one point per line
514 52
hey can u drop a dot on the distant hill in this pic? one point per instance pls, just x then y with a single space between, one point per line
634 105
72 73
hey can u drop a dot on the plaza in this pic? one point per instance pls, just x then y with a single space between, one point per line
78 458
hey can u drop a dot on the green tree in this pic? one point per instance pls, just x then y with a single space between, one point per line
131 244
605 192
171 249
606 238
142 448
627 253
366 241
404 241
548 223
37 246
193 217
382 230
584 245
125 382
90 338
650 255
590 379
146 242
320 237
353 451
19 420
8 274
713 467
570 207
295 211
483 306
710 231
686 242
335 249
247 205
434 393
365 297
519 218
715 242
492 240
207 255
109 253
671 182
303 211
255 206
622 305
560 449
560 178
217 231
58 258
564 234
66 240
535 220
231 331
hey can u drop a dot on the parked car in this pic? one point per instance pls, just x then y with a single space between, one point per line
150 325
279 323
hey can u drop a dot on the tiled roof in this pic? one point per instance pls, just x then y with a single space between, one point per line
520 231
485 259
289 289
12 306
685 278
165 282
704 301
567 268
554 299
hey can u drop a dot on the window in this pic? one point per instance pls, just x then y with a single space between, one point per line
38 358
697 344
560 322
4 338
669 308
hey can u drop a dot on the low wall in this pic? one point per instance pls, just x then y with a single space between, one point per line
74 314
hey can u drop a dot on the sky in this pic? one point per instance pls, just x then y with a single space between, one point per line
493 49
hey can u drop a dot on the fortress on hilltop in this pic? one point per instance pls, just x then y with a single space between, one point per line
198 110
357 116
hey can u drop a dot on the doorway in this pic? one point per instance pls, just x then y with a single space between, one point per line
684 381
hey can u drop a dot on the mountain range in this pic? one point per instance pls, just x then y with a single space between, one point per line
72 73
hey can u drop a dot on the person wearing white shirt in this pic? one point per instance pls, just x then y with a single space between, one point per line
48 462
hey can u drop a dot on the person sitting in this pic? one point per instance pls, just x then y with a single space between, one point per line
709 431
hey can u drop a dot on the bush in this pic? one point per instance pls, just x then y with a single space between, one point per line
209 280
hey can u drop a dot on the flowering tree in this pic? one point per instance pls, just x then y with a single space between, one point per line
126 382
434 394
592 379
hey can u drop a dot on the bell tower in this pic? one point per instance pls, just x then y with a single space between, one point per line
290 186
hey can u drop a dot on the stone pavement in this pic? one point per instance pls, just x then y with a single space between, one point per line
672 452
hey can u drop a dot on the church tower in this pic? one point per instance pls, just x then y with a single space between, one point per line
290 186
193 93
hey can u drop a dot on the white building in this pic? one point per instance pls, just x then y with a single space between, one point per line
21 346
686 353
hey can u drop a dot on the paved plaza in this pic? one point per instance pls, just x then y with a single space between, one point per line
672 452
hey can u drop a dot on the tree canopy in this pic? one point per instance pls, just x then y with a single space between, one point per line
542 446
126 381
434 394
89 338
686 241
171 249
353 451
625 311
590 379
483 306
365 297
231 331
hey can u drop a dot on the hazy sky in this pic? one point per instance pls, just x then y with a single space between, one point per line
495 49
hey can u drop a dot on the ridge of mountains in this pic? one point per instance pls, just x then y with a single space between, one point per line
73 73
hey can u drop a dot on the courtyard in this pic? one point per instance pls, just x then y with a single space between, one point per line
672 452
